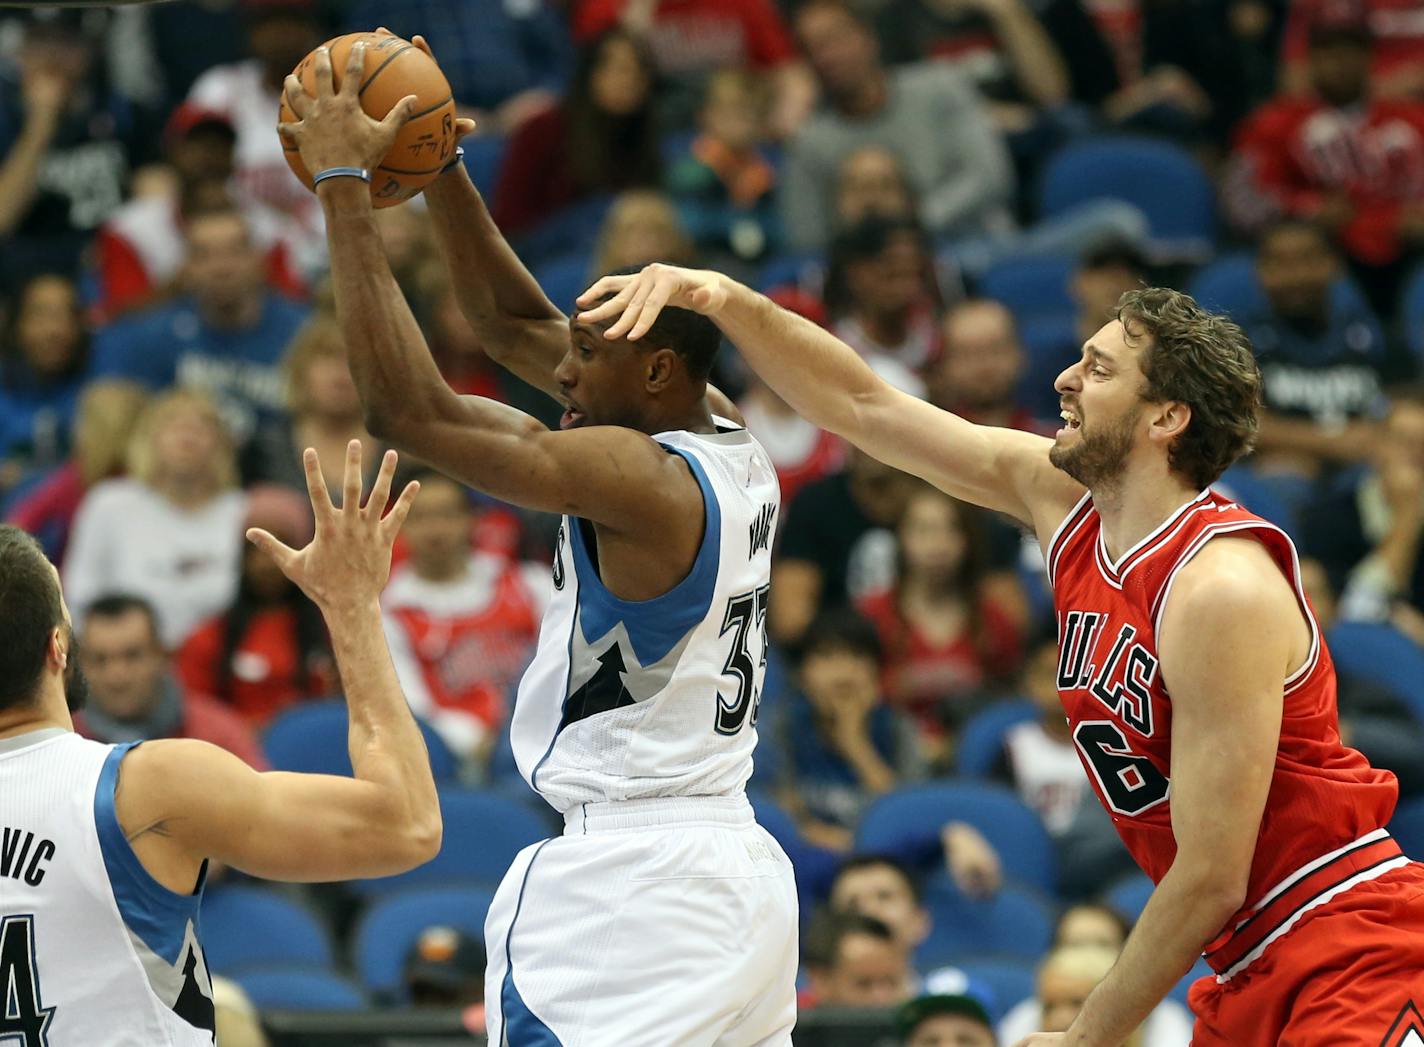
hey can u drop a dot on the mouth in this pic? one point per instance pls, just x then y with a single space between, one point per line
1071 421
572 417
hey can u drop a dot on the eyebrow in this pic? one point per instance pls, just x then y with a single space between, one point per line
1093 354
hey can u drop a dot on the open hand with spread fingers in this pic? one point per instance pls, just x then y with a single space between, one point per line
637 300
346 565
333 130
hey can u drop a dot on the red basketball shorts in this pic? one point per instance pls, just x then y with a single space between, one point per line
1349 973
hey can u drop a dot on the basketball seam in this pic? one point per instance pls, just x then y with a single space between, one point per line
402 171
438 105
371 79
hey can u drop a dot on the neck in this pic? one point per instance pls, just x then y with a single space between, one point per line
694 418
929 587
185 492
232 315
343 426
889 327
867 98
1132 508
50 710
440 571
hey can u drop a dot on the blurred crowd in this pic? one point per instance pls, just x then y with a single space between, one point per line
959 189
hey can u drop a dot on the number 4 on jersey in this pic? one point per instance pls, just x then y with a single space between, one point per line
744 612
23 1022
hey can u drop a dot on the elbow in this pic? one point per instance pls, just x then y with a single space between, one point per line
1219 893
425 836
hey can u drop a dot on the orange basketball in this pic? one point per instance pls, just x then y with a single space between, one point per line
394 68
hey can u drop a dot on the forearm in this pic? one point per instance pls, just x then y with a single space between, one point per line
19 174
1398 553
386 746
1038 67
1184 913
497 294
875 775
1349 443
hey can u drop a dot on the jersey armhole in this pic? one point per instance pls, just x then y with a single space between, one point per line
158 916
1062 533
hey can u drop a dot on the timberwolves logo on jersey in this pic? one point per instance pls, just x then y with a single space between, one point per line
1407 1030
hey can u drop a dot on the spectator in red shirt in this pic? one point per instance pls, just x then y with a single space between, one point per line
269 649
945 630
1352 164
601 138
691 39
133 693
1397 42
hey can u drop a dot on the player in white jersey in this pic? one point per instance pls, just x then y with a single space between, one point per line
104 849
664 914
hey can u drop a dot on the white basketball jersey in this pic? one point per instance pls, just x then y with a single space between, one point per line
640 699
93 950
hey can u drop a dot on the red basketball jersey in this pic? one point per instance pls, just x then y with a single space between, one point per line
1325 801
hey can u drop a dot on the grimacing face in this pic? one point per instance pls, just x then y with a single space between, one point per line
1101 398
601 381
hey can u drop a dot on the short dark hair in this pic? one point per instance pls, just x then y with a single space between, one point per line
879 861
691 335
116 605
841 630
1114 254
829 929
30 609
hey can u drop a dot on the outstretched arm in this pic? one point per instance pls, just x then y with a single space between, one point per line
612 476
827 383
181 801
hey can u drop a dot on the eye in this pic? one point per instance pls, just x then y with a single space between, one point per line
1097 372
585 351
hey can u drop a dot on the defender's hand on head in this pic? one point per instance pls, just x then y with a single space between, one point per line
346 565
638 299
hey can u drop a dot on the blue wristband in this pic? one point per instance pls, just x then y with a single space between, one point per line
341 172
456 160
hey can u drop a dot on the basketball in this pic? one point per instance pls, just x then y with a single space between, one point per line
393 69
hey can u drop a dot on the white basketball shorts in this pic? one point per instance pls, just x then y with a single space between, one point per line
649 923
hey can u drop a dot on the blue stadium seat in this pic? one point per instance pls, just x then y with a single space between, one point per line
982 739
484 154
300 989
1010 979
1050 342
1229 285
388 930
564 279
483 833
1383 654
815 867
1411 312
1014 922
1032 286
311 738
1129 895
242 926
578 223
1162 179
906 823
1241 484
1407 826
806 270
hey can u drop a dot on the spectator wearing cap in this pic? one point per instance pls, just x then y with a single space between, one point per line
68 144
139 250
133 692
944 1020
504 61
280 33
446 968
1396 30
855 960
224 336
1334 155
269 648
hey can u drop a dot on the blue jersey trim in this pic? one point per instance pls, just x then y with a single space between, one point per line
654 626
157 915
522 1026
571 524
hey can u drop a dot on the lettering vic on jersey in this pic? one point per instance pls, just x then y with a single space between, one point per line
1108 681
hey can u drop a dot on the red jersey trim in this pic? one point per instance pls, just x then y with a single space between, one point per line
1309 887
1116 573
1075 519
1159 605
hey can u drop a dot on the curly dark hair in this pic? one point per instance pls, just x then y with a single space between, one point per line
1205 361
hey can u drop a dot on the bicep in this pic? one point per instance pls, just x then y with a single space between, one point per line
532 350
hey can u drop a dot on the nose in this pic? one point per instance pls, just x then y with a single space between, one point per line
1070 379
566 373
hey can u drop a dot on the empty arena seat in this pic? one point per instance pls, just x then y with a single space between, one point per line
1411 312
389 929
1032 286
907 823
1407 827
1380 652
484 154
1241 484
981 742
300 989
1163 180
1015 921
1129 895
814 867
564 279
242 926
483 833
311 738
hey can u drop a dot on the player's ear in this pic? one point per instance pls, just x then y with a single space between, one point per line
661 366
1171 420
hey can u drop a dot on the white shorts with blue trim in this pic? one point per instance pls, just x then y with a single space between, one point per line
649 923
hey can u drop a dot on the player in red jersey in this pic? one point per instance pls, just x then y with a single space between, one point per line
1198 687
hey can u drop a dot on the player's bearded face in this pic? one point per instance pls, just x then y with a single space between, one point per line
1097 452
76 687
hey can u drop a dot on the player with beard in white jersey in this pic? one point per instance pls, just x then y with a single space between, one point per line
664 914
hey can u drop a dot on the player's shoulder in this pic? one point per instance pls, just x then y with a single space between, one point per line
1231 576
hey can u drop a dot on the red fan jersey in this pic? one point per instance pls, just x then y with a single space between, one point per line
1322 828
